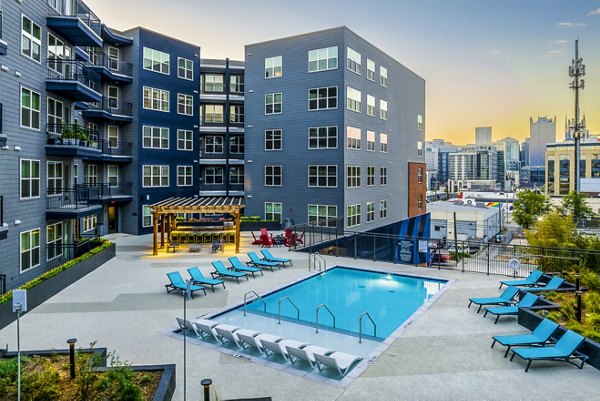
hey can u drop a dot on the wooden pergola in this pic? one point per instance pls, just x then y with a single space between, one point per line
166 212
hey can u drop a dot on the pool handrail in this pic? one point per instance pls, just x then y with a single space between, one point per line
314 258
365 313
257 296
279 309
328 310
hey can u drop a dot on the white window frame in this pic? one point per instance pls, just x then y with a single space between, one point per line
276 210
54 241
419 122
34 114
185 104
383 76
32 182
157 137
112 175
185 140
272 173
270 101
383 109
54 178
370 176
212 84
318 173
155 172
419 201
185 176
328 55
322 215
156 99
91 174
34 42
353 60
147 216
420 175
272 141
31 249
383 176
370 70
317 134
353 215
353 175
315 97
214 143
112 133
370 209
211 114
353 99
370 141
371 105
236 144
113 55
353 138
383 209
273 67
159 62
57 51
383 143
90 222
236 175
214 175
185 71
419 148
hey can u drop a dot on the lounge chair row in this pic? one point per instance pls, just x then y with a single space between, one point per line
533 282
268 344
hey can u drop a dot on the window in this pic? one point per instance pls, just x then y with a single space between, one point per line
236 114
322 98
30 109
322 215
273 103
370 176
185 139
154 176
383 143
353 137
30 249
323 59
236 144
146 216
420 175
383 209
353 61
383 176
353 176
213 82
112 174
156 61
55 116
54 178
383 112
185 104
273 67
370 211
370 105
113 58
383 78
273 139
113 136
112 95
213 113
322 137
155 137
322 176
273 176
273 211
353 215
420 201
419 122
30 179
91 174
370 141
31 39
353 101
419 148
213 175
156 99
236 175
185 68
57 51
90 222
236 83
54 241
213 144
370 70
184 176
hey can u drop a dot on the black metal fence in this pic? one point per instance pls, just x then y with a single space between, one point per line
59 254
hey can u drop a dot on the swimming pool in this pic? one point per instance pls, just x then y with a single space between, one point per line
389 299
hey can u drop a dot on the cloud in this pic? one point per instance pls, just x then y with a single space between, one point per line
555 52
594 12
558 42
570 24
494 53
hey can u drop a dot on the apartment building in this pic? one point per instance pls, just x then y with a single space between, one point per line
560 167
334 130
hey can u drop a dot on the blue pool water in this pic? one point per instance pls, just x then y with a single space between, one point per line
389 299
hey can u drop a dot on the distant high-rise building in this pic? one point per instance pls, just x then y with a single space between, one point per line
524 154
483 136
436 157
541 133
473 163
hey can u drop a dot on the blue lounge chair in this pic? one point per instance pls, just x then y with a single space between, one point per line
221 271
198 278
177 283
238 266
528 300
506 298
539 336
256 262
552 285
530 281
564 350
268 257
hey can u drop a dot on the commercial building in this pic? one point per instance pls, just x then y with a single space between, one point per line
541 133
560 167
483 136
471 222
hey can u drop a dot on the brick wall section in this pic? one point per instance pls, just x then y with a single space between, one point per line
415 188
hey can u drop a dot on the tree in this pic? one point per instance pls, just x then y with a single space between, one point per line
575 205
555 231
528 207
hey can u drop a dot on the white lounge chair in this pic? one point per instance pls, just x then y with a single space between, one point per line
306 353
256 340
339 361
278 347
230 333
206 328
188 326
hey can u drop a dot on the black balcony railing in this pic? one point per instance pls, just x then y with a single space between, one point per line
71 199
70 134
113 148
102 190
59 253
1 211
77 8
73 70
102 59
112 106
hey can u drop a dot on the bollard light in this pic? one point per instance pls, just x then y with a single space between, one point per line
578 309
71 343
206 384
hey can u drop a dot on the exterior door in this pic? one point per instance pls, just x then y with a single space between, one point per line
113 222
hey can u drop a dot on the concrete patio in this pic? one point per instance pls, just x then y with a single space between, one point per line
444 354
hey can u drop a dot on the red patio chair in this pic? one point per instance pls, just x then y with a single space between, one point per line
266 241
291 241
256 241
299 239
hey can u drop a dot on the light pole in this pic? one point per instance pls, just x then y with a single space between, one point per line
19 306
186 294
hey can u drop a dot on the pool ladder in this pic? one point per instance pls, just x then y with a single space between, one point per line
257 297
365 313
317 315
315 259
279 309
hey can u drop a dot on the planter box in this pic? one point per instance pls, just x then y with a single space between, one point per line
529 319
257 225
47 289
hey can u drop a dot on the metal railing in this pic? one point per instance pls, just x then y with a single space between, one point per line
314 259
2 283
77 8
97 191
257 297
317 316
72 199
1 211
58 254
279 309
70 134
365 313
73 70
101 59
112 106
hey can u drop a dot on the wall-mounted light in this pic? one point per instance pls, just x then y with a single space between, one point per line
248 161
251 91
4 68
249 54
18 74
248 196
147 197
17 222
249 126
17 148
5 147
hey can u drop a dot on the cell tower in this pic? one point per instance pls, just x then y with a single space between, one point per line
577 127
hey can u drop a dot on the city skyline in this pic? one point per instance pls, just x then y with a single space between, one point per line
485 63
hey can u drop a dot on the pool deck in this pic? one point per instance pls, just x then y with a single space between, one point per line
444 354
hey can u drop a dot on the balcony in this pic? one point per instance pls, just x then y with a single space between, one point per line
210 159
221 190
72 203
3 226
110 110
73 80
112 38
76 23
111 69
113 192
73 140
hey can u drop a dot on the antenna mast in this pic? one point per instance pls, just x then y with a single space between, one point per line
576 72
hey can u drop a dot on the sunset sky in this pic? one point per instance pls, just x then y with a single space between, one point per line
486 63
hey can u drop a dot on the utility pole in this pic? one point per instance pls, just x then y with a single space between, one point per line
455 239
577 71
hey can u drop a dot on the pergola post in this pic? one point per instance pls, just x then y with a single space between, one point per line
237 231
155 233
162 230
